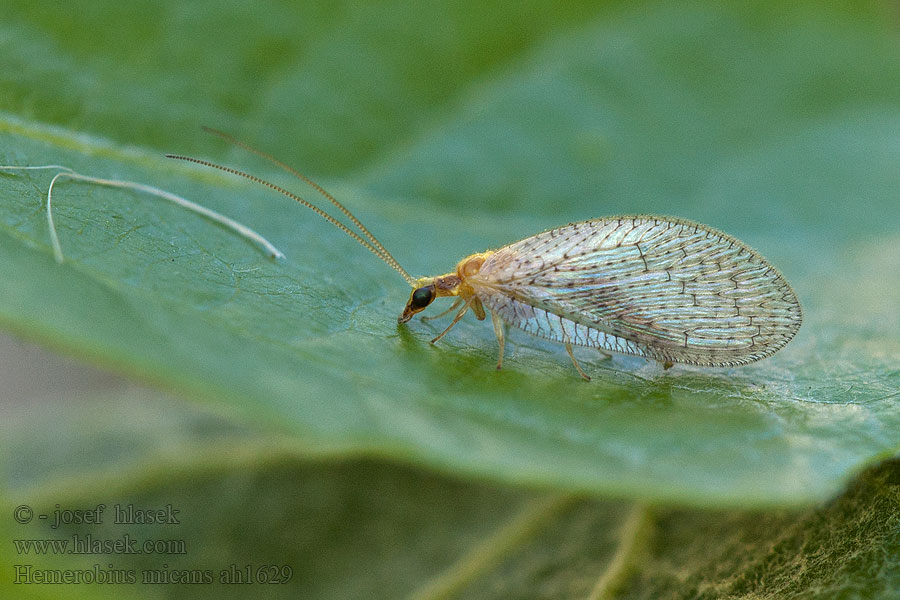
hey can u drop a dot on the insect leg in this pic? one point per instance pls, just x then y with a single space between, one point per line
498 331
477 308
453 307
575 362
456 319
606 355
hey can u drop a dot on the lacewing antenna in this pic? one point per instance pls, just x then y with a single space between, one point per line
372 244
240 144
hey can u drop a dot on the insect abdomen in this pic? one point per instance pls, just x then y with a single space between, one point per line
544 324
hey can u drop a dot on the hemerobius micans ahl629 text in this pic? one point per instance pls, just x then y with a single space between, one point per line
662 288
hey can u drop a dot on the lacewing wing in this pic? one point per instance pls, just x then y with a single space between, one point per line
657 287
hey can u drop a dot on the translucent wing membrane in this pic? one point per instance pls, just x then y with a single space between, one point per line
662 288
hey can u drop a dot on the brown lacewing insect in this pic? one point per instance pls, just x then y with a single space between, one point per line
662 288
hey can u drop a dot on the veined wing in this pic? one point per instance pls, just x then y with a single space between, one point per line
658 287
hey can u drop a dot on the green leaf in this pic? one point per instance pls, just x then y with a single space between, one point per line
368 528
448 131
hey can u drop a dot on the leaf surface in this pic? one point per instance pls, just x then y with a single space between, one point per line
778 125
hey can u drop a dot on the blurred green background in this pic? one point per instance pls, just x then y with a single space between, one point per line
288 417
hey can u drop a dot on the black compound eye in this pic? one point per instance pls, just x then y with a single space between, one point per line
422 297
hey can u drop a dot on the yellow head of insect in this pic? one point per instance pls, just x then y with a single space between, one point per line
422 295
